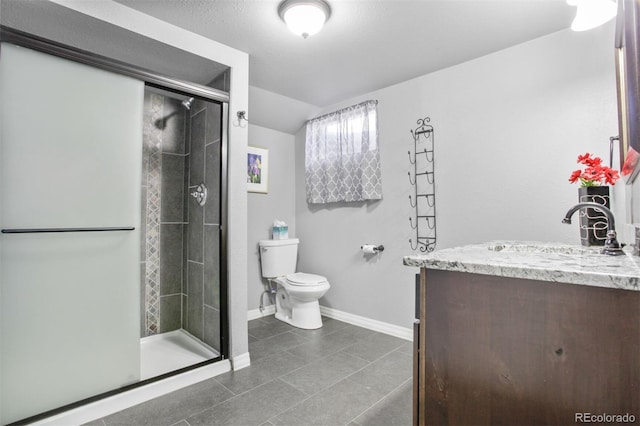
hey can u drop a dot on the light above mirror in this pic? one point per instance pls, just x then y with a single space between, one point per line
592 13
304 17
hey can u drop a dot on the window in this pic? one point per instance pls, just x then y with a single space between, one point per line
342 160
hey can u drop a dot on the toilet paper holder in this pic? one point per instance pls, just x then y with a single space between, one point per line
371 248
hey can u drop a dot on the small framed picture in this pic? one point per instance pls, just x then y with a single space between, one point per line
257 169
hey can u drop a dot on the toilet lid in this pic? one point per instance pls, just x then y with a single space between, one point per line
301 278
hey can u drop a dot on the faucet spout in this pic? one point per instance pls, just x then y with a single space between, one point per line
611 246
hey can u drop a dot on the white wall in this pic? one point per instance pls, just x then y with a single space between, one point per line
508 129
263 209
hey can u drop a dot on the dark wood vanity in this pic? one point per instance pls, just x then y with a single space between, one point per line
500 350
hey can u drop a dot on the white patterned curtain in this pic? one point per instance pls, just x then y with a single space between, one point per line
342 160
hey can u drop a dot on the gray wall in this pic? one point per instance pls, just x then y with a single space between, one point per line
508 129
278 203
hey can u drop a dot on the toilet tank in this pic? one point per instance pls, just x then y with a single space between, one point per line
278 257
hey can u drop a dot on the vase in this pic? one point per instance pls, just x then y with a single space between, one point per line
593 223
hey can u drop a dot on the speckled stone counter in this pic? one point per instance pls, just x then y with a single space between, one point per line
537 261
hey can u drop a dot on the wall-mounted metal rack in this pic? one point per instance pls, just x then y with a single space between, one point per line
423 182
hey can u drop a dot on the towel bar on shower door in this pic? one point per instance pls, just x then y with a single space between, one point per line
43 230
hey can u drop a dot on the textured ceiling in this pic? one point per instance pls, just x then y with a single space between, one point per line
366 44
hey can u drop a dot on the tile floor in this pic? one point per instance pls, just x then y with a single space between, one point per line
339 374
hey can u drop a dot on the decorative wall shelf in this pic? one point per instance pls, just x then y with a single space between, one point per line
423 182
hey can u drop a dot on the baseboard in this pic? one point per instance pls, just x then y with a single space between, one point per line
256 313
368 323
241 361
124 400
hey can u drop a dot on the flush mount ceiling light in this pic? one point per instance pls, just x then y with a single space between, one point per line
304 17
592 13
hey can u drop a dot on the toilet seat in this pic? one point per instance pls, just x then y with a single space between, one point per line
304 279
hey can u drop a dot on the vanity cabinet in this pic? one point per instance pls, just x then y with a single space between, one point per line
499 350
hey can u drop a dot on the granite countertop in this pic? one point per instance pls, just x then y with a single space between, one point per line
537 261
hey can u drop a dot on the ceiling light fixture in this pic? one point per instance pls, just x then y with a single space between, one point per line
592 13
304 17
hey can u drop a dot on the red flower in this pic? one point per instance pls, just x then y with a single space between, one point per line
595 173
575 175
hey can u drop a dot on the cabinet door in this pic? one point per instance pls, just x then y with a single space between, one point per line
70 155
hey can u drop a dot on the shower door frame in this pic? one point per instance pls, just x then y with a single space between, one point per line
149 78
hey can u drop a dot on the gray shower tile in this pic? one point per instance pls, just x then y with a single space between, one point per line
375 346
173 132
337 405
262 371
394 410
212 265
172 188
324 372
385 374
212 181
143 223
170 313
187 132
195 231
143 280
194 300
214 118
170 258
173 407
196 172
211 331
272 345
185 308
250 408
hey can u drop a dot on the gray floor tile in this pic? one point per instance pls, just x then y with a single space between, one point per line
265 329
173 407
406 348
251 408
394 410
272 345
375 346
320 346
329 325
337 405
260 372
324 372
385 374
98 422
181 423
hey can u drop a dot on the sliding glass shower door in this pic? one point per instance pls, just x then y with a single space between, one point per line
70 140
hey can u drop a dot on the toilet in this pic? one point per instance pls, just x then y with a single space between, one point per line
297 293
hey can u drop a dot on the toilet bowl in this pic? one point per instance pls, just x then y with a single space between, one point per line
297 299
297 293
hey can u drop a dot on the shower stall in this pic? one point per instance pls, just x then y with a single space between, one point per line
112 210
180 224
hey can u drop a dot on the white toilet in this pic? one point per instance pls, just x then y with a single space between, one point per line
297 293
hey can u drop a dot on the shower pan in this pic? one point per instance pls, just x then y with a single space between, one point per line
125 284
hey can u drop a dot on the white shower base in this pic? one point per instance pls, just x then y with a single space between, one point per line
167 352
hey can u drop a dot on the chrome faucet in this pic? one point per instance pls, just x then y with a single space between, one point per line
611 245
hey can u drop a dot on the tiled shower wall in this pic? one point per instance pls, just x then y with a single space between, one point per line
163 214
202 300
180 239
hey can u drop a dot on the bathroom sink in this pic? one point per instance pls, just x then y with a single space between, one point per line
536 247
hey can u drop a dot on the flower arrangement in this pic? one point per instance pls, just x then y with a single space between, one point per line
594 174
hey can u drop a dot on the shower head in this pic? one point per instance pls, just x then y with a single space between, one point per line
187 103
